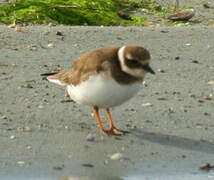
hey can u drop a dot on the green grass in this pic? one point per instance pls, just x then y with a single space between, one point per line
75 12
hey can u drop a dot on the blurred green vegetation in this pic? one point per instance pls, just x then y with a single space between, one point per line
77 12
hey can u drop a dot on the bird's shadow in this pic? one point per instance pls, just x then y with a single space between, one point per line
176 141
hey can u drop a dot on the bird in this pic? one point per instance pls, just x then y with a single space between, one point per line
104 78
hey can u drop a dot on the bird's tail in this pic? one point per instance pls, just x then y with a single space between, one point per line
49 73
54 77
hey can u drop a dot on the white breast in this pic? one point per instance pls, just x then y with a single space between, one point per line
102 92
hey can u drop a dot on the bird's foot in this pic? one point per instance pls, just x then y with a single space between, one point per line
115 131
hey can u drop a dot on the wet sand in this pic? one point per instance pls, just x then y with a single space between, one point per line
43 136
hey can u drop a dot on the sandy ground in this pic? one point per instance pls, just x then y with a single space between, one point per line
42 136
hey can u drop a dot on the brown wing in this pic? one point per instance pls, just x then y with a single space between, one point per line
86 65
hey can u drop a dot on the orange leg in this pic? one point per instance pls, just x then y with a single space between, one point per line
113 130
99 121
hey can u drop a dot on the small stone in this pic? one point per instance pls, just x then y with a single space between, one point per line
211 83
161 70
27 129
21 163
12 137
29 147
200 101
147 105
143 10
3 117
183 156
116 156
206 114
162 99
208 5
88 165
188 44
119 38
193 95
91 137
144 84
50 45
171 110
40 106
58 168
26 85
164 31
58 33
177 58
195 61
105 162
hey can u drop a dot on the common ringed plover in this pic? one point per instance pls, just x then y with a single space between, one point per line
105 78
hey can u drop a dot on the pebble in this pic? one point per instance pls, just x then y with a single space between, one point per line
91 137
162 99
210 82
21 163
27 129
26 85
143 10
58 168
208 5
88 165
164 31
183 156
193 95
171 110
147 104
195 61
116 156
105 162
28 147
200 101
58 33
161 70
3 117
206 114
144 84
50 45
12 137
40 106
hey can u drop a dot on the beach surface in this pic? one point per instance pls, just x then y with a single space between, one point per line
43 135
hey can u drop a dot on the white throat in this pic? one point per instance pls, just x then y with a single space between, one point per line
134 72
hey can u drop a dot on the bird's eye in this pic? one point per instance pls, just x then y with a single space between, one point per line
133 61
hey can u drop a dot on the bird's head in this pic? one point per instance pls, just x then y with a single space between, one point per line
135 60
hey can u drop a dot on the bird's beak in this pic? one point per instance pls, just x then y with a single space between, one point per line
148 69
